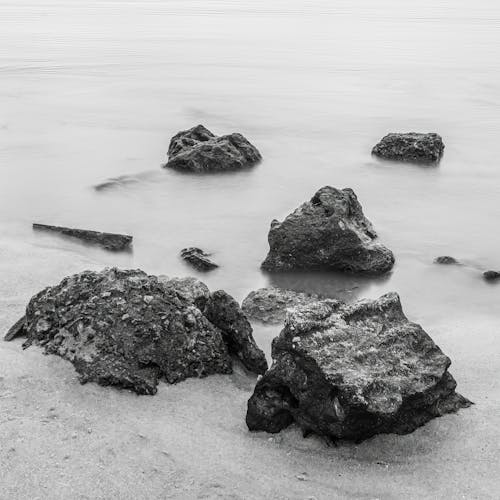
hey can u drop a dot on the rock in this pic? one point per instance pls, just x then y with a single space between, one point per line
270 305
327 232
125 328
16 330
109 241
198 150
116 182
190 289
446 259
491 275
412 147
353 371
198 259
225 313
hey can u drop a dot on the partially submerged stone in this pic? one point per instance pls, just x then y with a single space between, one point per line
18 329
269 305
198 150
411 147
491 275
109 241
329 232
353 371
446 260
128 329
199 259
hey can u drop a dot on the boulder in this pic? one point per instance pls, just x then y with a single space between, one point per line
109 241
329 232
225 313
446 259
128 329
269 305
411 147
198 150
188 288
353 371
491 275
198 259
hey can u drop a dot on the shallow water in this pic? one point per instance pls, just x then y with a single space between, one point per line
91 90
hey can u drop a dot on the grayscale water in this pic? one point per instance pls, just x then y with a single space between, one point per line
91 90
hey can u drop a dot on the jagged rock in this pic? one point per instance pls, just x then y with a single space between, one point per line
198 259
189 288
270 305
125 328
18 329
109 241
491 275
412 147
198 150
353 371
327 232
225 313
446 259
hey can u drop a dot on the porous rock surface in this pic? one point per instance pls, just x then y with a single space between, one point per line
127 328
353 371
328 232
198 150
411 147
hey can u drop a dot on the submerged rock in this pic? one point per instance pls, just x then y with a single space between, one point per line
198 150
353 371
327 232
491 275
116 182
198 259
446 259
270 305
109 241
18 329
225 313
412 147
128 329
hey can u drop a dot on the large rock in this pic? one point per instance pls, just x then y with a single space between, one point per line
129 329
198 150
225 313
327 232
352 371
269 305
191 289
412 147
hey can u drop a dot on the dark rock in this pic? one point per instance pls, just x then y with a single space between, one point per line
109 241
491 275
125 328
16 330
198 259
446 259
412 147
270 305
198 150
353 371
189 288
225 313
327 232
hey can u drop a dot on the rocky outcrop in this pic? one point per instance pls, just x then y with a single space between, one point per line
491 275
225 313
109 241
411 147
198 150
327 232
128 329
269 305
191 289
198 259
353 371
446 260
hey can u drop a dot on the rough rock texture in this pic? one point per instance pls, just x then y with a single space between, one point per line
270 305
125 328
109 241
412 147
18 329
491 275
327 232
198 150
446 259
225 313
352 371
198 259
188 288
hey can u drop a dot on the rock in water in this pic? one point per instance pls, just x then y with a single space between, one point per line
110 241
269 305
446 259
16 330
198 259
353 371
412 147
225 313
491 275
328 232
125 328
198 150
